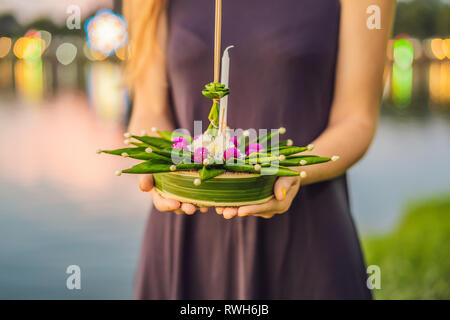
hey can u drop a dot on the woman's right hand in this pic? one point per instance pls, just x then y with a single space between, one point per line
146 184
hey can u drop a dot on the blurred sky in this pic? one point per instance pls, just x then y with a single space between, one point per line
28 10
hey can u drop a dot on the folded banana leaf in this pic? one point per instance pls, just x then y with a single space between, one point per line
155 142
229 190
303 161
152 167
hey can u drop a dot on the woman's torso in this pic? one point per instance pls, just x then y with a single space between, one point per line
282 65
282 74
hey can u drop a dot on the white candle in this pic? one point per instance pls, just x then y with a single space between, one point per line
224 79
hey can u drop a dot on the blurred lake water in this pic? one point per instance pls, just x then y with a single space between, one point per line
61 204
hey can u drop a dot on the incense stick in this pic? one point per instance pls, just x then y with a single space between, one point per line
217 39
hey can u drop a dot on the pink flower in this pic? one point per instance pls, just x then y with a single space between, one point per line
180 140
253 147
180 145
235 141
200 154
231 153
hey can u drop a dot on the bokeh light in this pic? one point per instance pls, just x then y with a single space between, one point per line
29 48
29 79
106 32
5 46
46 37
446 47
402 83
66 53
122 53
106 94
402 72
438 49
403 53
87 52
439 82
33 34
98 56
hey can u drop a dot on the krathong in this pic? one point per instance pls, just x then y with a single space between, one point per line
220 167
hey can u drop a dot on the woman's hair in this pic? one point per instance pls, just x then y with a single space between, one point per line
144 19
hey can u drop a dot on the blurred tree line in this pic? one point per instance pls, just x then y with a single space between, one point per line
10 27
418 18
423 18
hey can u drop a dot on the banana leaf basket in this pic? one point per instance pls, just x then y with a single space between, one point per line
224 190
214 169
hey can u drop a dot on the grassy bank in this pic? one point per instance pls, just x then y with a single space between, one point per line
415 257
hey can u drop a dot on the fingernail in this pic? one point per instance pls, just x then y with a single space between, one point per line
283 191
243 214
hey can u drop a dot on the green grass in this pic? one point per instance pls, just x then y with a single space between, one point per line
415 257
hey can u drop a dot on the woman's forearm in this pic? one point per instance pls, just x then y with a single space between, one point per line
358 83
147 120
349 139
151 103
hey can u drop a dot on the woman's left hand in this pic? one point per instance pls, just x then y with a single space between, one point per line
285 189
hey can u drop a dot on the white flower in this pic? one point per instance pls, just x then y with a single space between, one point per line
215 145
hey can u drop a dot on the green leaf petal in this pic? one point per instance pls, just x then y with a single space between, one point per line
139 144
272 170
155 142
214 116
175 155
148 167
306 160
129 151
291 150
188 166
208 173
169 135
138 153
151 167
255 160
151 156
279 171
240 168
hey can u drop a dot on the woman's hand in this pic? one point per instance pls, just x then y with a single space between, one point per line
162 204
285 189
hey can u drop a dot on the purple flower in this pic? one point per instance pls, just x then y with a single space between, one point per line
253 147
231 153
180 140
196 137
235 141
180 145
200 154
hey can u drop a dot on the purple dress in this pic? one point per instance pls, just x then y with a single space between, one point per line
282 74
